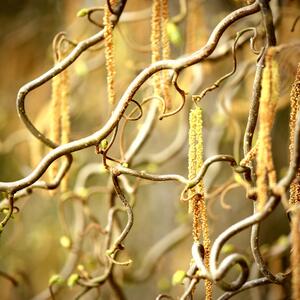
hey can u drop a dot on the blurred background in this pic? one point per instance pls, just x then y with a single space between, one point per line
34 245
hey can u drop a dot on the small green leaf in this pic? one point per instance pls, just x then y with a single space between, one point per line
178 277
104 144
55 279
82 13
72 280
125 164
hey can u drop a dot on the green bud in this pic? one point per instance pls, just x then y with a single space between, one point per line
56 279
178 277
104 144
72 280
82 13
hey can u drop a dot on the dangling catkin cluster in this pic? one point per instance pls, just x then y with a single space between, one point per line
165 52
295 191
160 47
109 54
266 175
295 255
60 117
295 99
197 203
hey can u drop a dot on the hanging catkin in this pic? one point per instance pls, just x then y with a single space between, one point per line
165 52
295 255
60 112
160 48
109 54
155 42
295 99
197 203
266 175
65 119
55 119
295 191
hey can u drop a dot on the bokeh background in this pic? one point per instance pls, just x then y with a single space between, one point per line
30 246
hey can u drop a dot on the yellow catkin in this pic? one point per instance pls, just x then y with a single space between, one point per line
60 115
266 175
197 203
165 52
65 118
206 245
295 106
55 120
295 191
295 256
109 55
155 41
195 163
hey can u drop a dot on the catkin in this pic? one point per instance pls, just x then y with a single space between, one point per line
295 256
60 126
160 48
195 163
109 55
197 203
165 52
55 120
266 175
295 99
65 119
155 42
295 190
